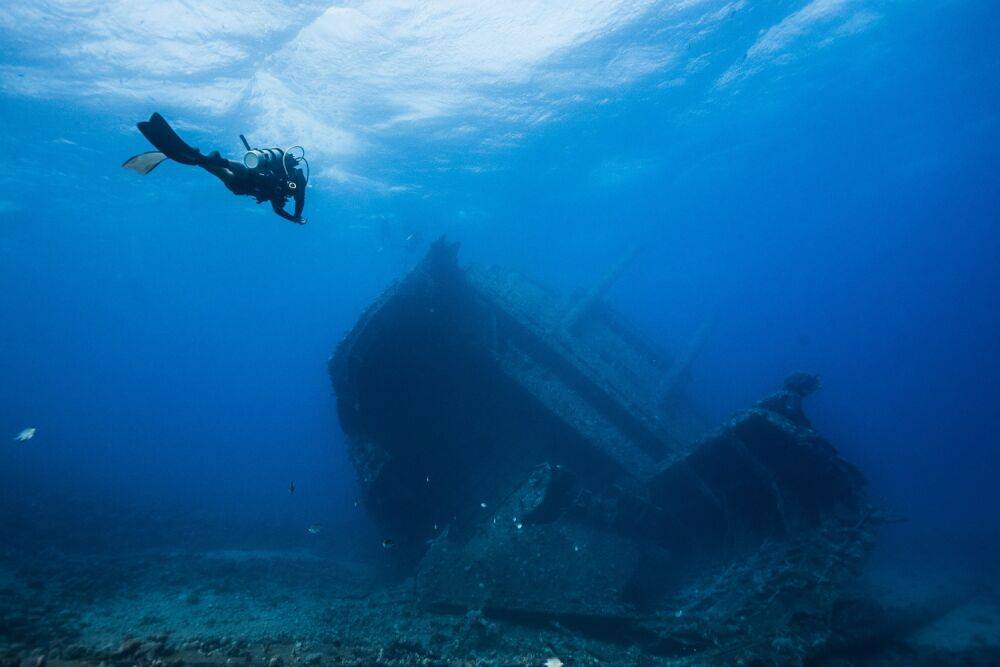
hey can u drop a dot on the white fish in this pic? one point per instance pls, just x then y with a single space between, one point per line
314 529
553 662
25 435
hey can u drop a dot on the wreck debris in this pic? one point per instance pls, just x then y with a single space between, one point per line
465 377
764 475
553 547
802 384
680 374
573 479
582 307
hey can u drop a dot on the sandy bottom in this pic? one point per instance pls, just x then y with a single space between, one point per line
249 607
295 607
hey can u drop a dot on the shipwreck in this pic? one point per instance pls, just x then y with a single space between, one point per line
536 458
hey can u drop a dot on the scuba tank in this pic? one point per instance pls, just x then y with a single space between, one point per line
270 159
262 157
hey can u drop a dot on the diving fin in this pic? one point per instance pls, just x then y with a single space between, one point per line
166 141
143 163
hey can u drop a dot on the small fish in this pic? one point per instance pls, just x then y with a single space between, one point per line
25 435
553 662
387 543
315 529
291 488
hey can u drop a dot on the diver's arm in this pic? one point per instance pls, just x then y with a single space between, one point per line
300 201
279 207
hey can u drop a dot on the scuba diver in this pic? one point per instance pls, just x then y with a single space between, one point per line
266 174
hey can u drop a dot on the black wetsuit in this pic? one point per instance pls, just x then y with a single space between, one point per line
275 181
263 184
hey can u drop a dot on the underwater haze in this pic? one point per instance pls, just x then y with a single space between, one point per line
820 179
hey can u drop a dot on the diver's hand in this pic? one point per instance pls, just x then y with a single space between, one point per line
299 221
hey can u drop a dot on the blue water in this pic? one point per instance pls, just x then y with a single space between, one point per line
820 175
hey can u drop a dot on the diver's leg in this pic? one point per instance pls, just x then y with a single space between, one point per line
232 174
223 173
